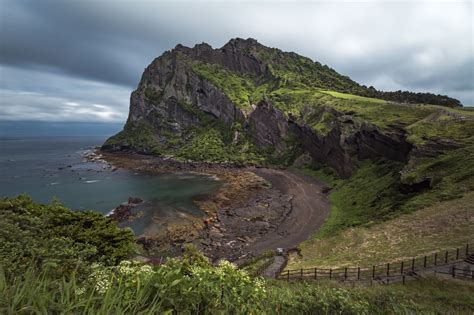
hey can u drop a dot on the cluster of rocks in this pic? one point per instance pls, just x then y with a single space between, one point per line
124 211
231 231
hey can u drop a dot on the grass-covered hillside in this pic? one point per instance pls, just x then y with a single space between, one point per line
55 261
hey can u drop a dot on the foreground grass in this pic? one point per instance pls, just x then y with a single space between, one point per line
428 296
444 225
193 289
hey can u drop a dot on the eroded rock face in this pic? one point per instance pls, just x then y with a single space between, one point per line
269 127
168 83
347 140
239 55
171 98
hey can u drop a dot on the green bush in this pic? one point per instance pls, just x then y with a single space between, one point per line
179 286
54 235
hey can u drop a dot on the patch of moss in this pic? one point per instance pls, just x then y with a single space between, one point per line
138 135
443 128
242 90
450 174
152 95
371 195
354 97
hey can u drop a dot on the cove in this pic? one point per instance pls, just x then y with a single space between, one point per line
51 168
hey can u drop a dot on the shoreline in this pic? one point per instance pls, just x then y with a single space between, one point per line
254 210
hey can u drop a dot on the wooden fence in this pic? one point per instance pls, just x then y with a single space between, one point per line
399 271
459 273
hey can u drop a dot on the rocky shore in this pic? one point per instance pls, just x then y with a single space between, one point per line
250 213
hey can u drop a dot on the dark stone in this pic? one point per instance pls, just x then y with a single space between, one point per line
134 200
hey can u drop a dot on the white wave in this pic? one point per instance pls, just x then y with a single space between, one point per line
91 181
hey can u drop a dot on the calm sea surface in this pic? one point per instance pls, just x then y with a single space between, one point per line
54 167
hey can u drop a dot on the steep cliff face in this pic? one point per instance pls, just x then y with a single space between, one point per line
248 103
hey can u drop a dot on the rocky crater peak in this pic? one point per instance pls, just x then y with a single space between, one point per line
250 104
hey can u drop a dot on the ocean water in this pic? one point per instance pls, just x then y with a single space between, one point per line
48 168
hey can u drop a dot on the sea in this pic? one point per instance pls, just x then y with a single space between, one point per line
54 168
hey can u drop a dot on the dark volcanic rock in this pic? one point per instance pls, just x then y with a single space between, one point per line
172 99
270 126
124 211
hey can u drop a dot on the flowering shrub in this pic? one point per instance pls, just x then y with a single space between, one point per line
180 285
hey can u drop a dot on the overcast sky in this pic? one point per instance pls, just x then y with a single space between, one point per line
79 60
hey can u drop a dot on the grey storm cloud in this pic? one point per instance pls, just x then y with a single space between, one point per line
93 52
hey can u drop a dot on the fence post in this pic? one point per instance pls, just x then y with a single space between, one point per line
413 264
288 275
401 268
301 273
373 272
467 250
388 269
446 258
435 258
457 253
330 273
358 273
315 273
424 262
345 274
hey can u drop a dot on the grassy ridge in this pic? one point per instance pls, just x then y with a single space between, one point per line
444 225
375 194
355 97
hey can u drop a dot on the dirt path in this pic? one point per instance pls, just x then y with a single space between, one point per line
273 270
310 209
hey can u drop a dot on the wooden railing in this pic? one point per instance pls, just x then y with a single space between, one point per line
459 273
396 271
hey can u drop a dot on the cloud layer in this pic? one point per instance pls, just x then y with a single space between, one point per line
92 53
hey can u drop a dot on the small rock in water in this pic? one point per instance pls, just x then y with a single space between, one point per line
135 200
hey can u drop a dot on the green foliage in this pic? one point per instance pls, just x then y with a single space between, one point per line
192 285
292 101
258 263
355 97
286 158
291 70
429 296
382 115
371 195
179 286
323 173
152 95
295 71
375 192
450 174
242 90
138 135
425 130
214 144
57 236
206 146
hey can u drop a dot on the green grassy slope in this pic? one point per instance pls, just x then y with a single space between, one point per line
443 225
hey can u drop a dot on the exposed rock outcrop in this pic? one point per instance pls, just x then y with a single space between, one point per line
173 104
